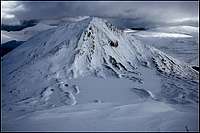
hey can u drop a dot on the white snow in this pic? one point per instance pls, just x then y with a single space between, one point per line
24 34
146 116
130 30
180 42
113 80
161 34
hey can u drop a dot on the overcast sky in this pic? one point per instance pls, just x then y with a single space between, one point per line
149 11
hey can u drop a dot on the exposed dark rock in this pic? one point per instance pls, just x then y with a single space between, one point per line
138 28
9 46
89 34
66 85
25 24
113 62
196 68
113 44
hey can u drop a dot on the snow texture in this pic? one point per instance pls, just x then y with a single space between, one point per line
113 80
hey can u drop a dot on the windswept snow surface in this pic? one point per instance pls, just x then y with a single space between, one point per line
90 76
146 116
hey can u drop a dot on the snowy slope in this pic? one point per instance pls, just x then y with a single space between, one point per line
24 34
180 42
91 61
188 30
146 116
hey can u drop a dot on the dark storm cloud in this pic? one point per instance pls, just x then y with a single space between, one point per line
148 11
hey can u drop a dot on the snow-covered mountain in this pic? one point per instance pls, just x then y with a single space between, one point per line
63 65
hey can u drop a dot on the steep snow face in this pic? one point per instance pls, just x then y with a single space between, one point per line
36 72
105 50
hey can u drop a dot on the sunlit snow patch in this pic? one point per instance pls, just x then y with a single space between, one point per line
163 34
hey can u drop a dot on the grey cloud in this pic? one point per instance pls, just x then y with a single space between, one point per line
149 11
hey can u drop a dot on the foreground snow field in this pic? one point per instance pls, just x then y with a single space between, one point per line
148 115
90 76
